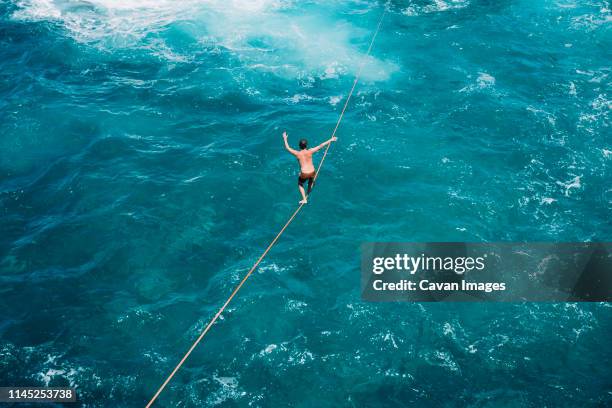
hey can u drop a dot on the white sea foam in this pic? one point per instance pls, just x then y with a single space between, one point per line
120 23
601 103
444 359
69 374
264 34
296 305
540 113
572 184
591 22
391 339
269 349
333 100
300 357
483 81
228 389
598 115
297 98
435 6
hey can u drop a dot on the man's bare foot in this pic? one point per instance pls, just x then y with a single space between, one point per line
304 201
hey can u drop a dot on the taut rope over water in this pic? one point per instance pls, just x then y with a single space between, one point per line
289 221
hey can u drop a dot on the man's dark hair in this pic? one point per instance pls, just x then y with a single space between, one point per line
303 144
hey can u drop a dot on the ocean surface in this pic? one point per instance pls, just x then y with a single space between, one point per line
142 172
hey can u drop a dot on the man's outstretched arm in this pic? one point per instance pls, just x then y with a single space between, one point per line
289 149
322 145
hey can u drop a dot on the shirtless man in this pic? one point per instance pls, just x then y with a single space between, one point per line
304 156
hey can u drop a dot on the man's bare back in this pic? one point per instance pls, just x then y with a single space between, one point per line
304 157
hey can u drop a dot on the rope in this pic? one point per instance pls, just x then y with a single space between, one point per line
352 89
229 299
263 255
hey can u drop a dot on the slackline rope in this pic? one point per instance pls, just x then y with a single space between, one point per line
289 221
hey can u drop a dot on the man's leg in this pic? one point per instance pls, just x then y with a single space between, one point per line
310 184
301 187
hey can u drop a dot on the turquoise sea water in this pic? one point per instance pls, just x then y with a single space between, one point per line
142 172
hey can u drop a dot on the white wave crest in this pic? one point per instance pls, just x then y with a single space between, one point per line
435 6
260 33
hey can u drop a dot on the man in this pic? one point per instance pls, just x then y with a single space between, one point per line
307 170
